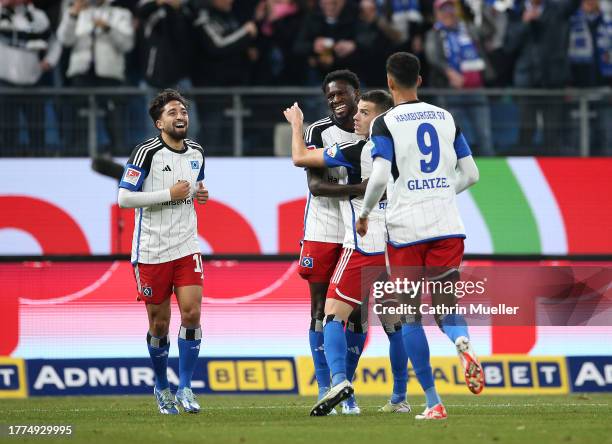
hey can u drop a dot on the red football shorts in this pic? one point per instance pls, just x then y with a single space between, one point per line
318 260
354 276
437 257
156 282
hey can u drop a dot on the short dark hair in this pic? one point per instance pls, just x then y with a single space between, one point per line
381 98
158 102
341 74
405 68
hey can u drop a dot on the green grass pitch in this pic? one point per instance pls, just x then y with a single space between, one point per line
284 419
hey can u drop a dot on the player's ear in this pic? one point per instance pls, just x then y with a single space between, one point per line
419 81
390 82
158 124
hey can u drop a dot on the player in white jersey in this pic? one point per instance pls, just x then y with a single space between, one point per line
430 162
162 179
323 227
362 261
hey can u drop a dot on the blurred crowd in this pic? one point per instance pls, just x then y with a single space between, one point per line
463 44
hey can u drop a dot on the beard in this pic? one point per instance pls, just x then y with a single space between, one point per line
177 133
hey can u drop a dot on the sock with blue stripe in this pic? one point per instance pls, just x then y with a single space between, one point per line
335 348
454 326
158 350
417 349
315 337
399 363
189 348
355 340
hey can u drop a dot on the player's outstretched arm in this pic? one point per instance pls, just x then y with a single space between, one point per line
140 199
301 156
467 175
319 186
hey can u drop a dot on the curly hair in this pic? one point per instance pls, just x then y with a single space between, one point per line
156 107
342 74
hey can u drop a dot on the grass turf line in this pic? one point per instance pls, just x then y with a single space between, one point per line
284 419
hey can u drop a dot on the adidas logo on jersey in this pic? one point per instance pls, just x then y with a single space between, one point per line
167 168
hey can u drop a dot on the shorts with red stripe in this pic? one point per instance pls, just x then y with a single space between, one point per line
437 256
156 282
354 276
318 260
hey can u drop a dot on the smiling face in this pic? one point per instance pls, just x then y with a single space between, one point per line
366 112
174 120
341 100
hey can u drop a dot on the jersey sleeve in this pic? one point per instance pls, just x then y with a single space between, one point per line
382 139
133 175
201 174
313 137
462 149
347 155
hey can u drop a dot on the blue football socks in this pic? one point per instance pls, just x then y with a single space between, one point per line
417 349
454 326
335 349
315 337
354 348
158 350
189 348
399 366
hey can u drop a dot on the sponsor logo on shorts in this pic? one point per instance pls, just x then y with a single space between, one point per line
131 176
147 291
307 262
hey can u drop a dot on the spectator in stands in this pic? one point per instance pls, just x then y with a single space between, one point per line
222 47
26 53
494 12
100 35
276 63
376 39
328 39
164 41
454 53
537 35
590 55
406 17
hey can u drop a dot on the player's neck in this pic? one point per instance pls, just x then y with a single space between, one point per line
404 95
173 143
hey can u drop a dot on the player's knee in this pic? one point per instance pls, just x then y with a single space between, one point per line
190 316
355 323
159 327
412 319
391 328
317 306
318 311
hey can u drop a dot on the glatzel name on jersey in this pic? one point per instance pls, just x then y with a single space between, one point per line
423 145
322 216
168 230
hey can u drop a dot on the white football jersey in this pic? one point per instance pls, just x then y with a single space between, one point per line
354 161
169 230
322 217
423 144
